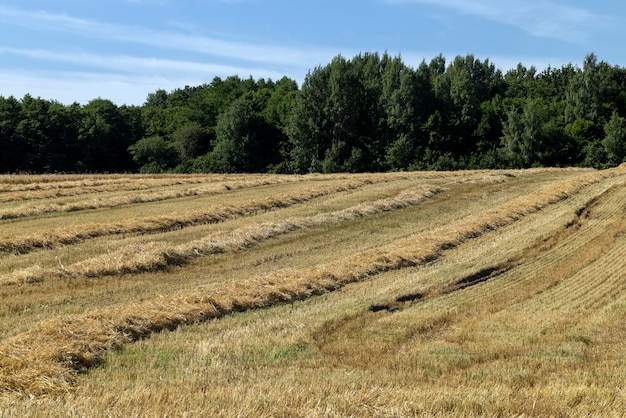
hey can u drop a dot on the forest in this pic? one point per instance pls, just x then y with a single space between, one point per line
370 113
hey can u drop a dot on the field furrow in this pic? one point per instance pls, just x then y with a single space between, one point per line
66 189
34 183
183 218
599 282
486 293
156 256
50 206
582 265
312 246
66 344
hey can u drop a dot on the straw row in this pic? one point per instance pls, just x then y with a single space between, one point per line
162 223
44 187
45 359
154 256
78 188
69 236
78 182
133 198
30 182
33 181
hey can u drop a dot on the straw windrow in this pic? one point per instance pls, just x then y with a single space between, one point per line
153 256
44 359
53 238
37 191
128 198
73 235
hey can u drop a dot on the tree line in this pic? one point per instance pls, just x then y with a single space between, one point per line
368 113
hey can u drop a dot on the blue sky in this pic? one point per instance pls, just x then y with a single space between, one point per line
78 50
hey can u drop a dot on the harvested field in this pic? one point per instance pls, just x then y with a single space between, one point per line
486 293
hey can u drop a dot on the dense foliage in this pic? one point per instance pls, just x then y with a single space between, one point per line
369 113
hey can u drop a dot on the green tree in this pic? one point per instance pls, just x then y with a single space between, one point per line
523 136
402 111
153 154
245 142
583 94
340 120
401 153
158 99
344 101
104 137
408 105
278 106
459 96
14 153
485 82
614 141
584 135
520 81
489 132
190 141
309 128
63 152
39 135
276 113
32 132
552 84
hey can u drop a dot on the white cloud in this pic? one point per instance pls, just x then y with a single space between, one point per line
69 87
128 79
541 18
242 51
121 79
139 65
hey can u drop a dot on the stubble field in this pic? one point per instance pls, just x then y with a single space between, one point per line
476 293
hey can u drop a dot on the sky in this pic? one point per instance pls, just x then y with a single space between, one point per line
122 50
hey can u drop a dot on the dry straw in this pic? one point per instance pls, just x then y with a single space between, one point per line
133 198
33 191
23 188
215 214
24 244
158 255
12 183
45 359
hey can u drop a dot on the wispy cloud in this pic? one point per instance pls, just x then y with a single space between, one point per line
134 65
541 18
275 54
85 74
121 78
81 87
